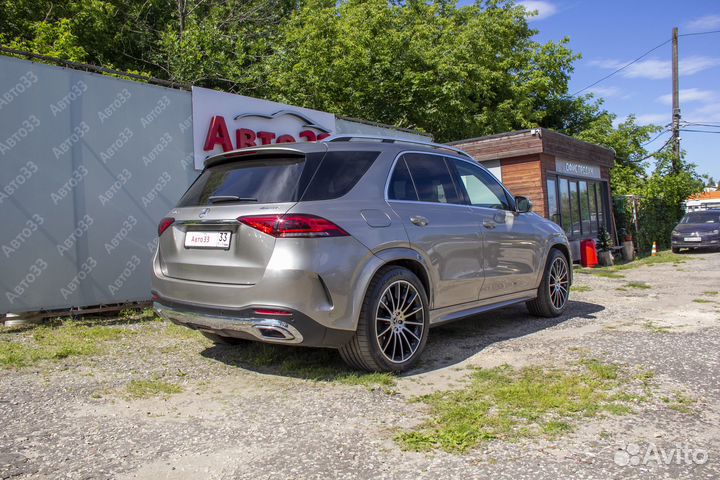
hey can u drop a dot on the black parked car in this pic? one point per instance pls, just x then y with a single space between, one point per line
697 230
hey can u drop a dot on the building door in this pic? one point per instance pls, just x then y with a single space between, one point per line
439 226
512 247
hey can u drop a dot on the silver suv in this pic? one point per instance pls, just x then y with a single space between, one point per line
359 244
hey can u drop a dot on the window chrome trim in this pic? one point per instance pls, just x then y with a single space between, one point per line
442 155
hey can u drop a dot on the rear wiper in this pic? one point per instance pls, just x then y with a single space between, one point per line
230 198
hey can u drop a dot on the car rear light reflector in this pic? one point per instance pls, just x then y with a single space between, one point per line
272 312
164 224
293 226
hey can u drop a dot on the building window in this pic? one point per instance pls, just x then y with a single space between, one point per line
577 205
565 211
553 212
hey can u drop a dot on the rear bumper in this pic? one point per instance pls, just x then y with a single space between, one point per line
295 328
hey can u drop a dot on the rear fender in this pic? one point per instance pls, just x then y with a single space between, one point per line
381 259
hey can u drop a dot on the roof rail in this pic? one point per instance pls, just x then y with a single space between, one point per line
343 137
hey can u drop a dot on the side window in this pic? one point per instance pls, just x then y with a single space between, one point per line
431 178
337 174
401 186
481 189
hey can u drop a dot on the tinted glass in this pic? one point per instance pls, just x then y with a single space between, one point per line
267 180
575 206
401 186
565 210
584 207
431 178
481 188
337 174
701 217
600 193
593 207
553 210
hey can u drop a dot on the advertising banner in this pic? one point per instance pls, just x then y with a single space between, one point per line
225 121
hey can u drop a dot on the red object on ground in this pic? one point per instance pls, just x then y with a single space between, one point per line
588 253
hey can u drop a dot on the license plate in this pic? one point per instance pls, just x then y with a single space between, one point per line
219 240
692 239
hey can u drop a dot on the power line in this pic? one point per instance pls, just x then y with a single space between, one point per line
696 131
656 137
623 67
694 124
641 57
698 33
656 151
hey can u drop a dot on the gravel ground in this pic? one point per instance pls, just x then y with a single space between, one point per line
72 419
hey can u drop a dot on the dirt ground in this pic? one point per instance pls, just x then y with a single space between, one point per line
74 417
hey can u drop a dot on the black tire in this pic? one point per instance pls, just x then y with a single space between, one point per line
223 340
545 304
364 351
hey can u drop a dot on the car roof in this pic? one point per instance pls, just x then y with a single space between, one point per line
383 144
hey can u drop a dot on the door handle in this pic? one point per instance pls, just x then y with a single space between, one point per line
489 224
419 220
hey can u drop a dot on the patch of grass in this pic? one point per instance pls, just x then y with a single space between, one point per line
702 300
605 371
580 288
58 340
655 328
151 388
679 402
607 274
710 293
183 333
317 364
507 403
638 285
664 257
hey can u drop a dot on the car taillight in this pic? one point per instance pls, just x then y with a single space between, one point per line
293 226
164 224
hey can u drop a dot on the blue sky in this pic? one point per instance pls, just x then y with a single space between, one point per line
611 33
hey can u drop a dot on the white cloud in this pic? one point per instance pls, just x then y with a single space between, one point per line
543 8
709 112
655 118
605 91
610 92
655 69
689 95
708 22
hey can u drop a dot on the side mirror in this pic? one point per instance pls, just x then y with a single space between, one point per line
522 204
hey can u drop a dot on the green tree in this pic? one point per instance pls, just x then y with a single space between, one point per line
455 72
52 39
628 140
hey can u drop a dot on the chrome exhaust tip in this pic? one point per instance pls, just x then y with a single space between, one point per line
274 332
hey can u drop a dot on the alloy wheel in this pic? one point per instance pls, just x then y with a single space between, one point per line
399 321
559 283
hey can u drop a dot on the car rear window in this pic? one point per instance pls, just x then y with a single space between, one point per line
317 176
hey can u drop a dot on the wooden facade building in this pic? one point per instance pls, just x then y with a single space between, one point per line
567 180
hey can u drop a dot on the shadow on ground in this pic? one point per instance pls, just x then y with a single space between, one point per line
447 345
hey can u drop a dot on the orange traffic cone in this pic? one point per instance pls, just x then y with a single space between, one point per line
654 250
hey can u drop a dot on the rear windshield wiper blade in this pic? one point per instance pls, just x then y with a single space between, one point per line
230 198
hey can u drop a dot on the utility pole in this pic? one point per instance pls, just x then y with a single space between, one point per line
675 104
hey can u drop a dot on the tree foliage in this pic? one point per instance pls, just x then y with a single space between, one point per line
455 72
451 71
